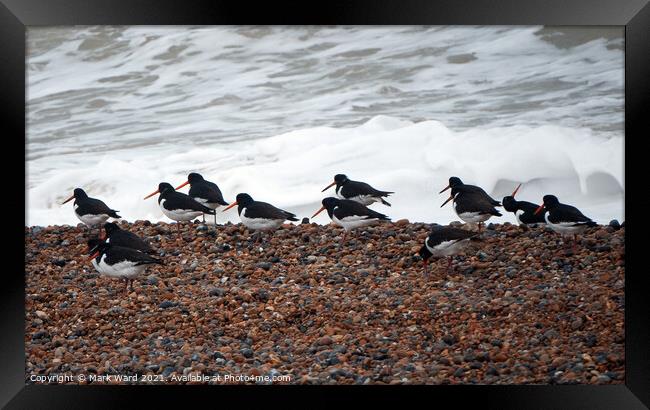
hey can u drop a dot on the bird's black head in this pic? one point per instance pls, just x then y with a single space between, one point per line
455 190
96 245
424 253
77 194
510 203
165 186
243 199
194 177
111 227
455 181
550 201
80 193
340 179
330 202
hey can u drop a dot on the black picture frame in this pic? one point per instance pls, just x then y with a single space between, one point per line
15 15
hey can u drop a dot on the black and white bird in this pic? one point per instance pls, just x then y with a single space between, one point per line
90 211
444 241
471 206
177 205
357 191
350 214
259 216
524 211
118 261
205 192
114 235
456 182
562 218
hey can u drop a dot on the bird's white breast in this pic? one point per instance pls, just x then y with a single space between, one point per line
179 214
204 202
565 228
124 269
518 214
365 199
473 217
92 220
353 221
260 224
447 248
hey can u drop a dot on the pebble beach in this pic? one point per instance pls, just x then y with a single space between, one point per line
520 306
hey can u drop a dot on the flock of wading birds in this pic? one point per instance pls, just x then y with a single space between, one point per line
122 254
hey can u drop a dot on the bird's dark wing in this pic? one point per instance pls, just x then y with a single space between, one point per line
348 208
92 206
118 254
567 213
207 190
178 200
267 211
481 191
354 188
493 201
474 202
129 240
529 217
448 233
452 233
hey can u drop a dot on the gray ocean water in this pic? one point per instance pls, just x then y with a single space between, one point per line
276 111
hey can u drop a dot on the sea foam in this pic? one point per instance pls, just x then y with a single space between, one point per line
414 160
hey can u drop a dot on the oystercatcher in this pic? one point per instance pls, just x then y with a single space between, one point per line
357 191
205 192
471 206
119 237
564 219
90 211
444 241
259 216
119 261
177 205
524 211
456 182
350 214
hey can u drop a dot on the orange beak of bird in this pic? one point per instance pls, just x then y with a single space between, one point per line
448 186
539 209
515 191
182 185
322 208
68 200
329 186
448 199
230 206
93 256
151 194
